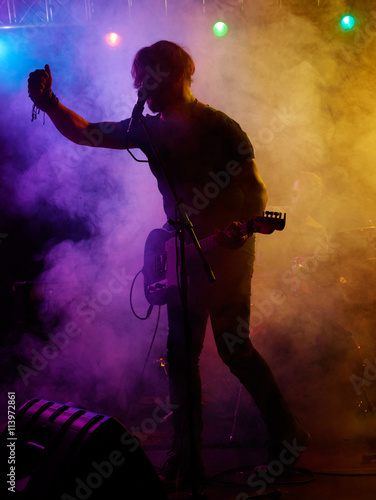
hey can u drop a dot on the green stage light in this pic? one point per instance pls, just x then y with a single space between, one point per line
220 29
347 22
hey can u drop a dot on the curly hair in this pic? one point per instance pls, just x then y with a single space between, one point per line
163 57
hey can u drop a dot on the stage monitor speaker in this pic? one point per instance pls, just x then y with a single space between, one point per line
62 452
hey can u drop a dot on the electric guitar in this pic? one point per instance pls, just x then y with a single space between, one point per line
160 270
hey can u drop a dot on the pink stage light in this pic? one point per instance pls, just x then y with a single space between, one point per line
112 39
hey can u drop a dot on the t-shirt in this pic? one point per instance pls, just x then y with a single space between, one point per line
205 162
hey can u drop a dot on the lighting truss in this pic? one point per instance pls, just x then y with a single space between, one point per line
38 13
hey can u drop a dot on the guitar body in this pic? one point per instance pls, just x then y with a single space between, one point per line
155 267
160 266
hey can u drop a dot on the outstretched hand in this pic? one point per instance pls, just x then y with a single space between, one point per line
230 237
40 82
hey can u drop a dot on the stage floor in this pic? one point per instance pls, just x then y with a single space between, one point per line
341 471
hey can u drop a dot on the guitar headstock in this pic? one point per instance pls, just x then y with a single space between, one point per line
268 222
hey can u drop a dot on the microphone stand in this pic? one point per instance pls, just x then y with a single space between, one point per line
182 225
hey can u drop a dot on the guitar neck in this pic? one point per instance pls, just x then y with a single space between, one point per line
210 242
265 224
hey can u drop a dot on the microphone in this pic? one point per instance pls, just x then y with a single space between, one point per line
139 106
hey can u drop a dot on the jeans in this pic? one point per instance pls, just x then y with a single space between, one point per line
227 303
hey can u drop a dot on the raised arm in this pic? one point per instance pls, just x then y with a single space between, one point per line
70 124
